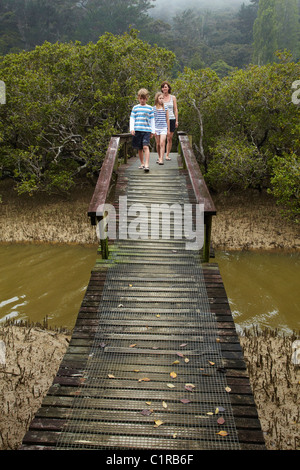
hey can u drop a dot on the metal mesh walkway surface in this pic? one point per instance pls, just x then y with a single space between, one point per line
145 368
154 377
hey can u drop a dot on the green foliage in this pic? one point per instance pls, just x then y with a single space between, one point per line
65 100
250 126
236 163
276 27
285 183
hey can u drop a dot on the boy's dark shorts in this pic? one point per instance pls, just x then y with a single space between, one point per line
141 139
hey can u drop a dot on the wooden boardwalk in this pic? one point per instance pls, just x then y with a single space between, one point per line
154 361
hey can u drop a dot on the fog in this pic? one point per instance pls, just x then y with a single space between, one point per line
168 8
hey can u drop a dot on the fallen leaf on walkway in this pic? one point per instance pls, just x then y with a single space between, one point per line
164 404
146 412
173 375
211 363
176 362
183 345
180 354
222 433
132 345
186 360
148 402
185 400
170 385
158 422
144 379
136 370
221 421
111 376
228 389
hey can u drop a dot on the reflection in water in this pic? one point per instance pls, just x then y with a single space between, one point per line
50 280
38 281
262 288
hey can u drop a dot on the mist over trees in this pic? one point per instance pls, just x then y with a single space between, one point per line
216 34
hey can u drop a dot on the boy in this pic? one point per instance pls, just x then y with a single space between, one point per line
142 127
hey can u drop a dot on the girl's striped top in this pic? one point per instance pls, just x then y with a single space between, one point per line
160 117
142 119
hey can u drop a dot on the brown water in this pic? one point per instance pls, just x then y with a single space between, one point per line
262 288
38 281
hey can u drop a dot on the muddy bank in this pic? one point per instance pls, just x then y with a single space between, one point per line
29 360
246 221
33 355
251 220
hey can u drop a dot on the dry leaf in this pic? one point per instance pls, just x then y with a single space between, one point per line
170 385
148 402
176 362
217 411
158 315
185 400
158 422
211 363
228 389
136 370
222 433
164 404
209 413
146 412
173 375
132 345
183 345
174 435
186 360
111 376
221 421
144 379
180 354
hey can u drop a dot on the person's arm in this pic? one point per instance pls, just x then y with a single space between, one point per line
152 122
168 120
175 110
131 123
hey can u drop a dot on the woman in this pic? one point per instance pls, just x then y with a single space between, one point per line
171 103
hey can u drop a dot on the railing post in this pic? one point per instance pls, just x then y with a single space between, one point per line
207 237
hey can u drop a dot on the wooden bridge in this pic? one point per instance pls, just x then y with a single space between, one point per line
154 362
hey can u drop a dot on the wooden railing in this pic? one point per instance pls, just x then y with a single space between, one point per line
110 165
200 189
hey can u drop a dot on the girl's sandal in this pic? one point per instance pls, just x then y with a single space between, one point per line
141 167
169 159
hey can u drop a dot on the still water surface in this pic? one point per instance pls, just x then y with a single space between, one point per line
262 288
50 280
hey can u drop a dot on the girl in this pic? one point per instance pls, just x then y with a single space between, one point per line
162 125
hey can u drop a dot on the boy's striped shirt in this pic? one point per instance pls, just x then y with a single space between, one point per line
142 119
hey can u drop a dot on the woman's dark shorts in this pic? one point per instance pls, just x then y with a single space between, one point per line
172 125
141 139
